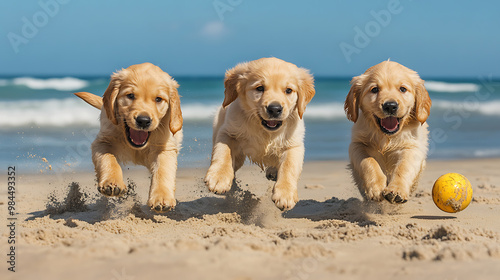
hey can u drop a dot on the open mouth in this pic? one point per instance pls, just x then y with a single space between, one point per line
137 138
271 124
389 125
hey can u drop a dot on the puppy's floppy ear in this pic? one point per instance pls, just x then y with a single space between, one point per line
306 91
232 82
351 105
422 102
109 97
175 108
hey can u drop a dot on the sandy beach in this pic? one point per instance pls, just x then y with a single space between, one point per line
56 225
69 231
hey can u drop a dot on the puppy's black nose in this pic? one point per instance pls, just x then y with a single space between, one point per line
143 121
390 107
274 110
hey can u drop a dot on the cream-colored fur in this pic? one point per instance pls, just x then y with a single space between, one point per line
140 90
239 131
388 165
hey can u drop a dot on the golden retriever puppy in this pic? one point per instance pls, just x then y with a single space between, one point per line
389 106
261 119
141 122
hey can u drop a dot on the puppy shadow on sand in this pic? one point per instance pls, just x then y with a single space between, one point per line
353 210
77 204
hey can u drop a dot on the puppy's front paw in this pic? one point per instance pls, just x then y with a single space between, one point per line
112 187
374 193
285 198
395 194
219 180
161 201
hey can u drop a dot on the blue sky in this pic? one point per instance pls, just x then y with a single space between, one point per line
436 38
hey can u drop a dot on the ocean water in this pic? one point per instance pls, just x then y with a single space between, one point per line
43 124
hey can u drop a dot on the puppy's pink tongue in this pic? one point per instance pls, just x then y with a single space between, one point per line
272 123
138 137
390 123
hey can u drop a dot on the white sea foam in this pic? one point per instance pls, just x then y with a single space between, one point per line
198 111
490 108
451 87
73 111
63 84
461 152
325 111
50 112
487 153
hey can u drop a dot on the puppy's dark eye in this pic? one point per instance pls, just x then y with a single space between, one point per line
374 90
131 96
288 90
260 88
402 89
159 99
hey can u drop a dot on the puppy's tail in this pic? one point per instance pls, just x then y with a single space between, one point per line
90 98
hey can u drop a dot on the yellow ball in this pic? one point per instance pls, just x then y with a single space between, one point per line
452 192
